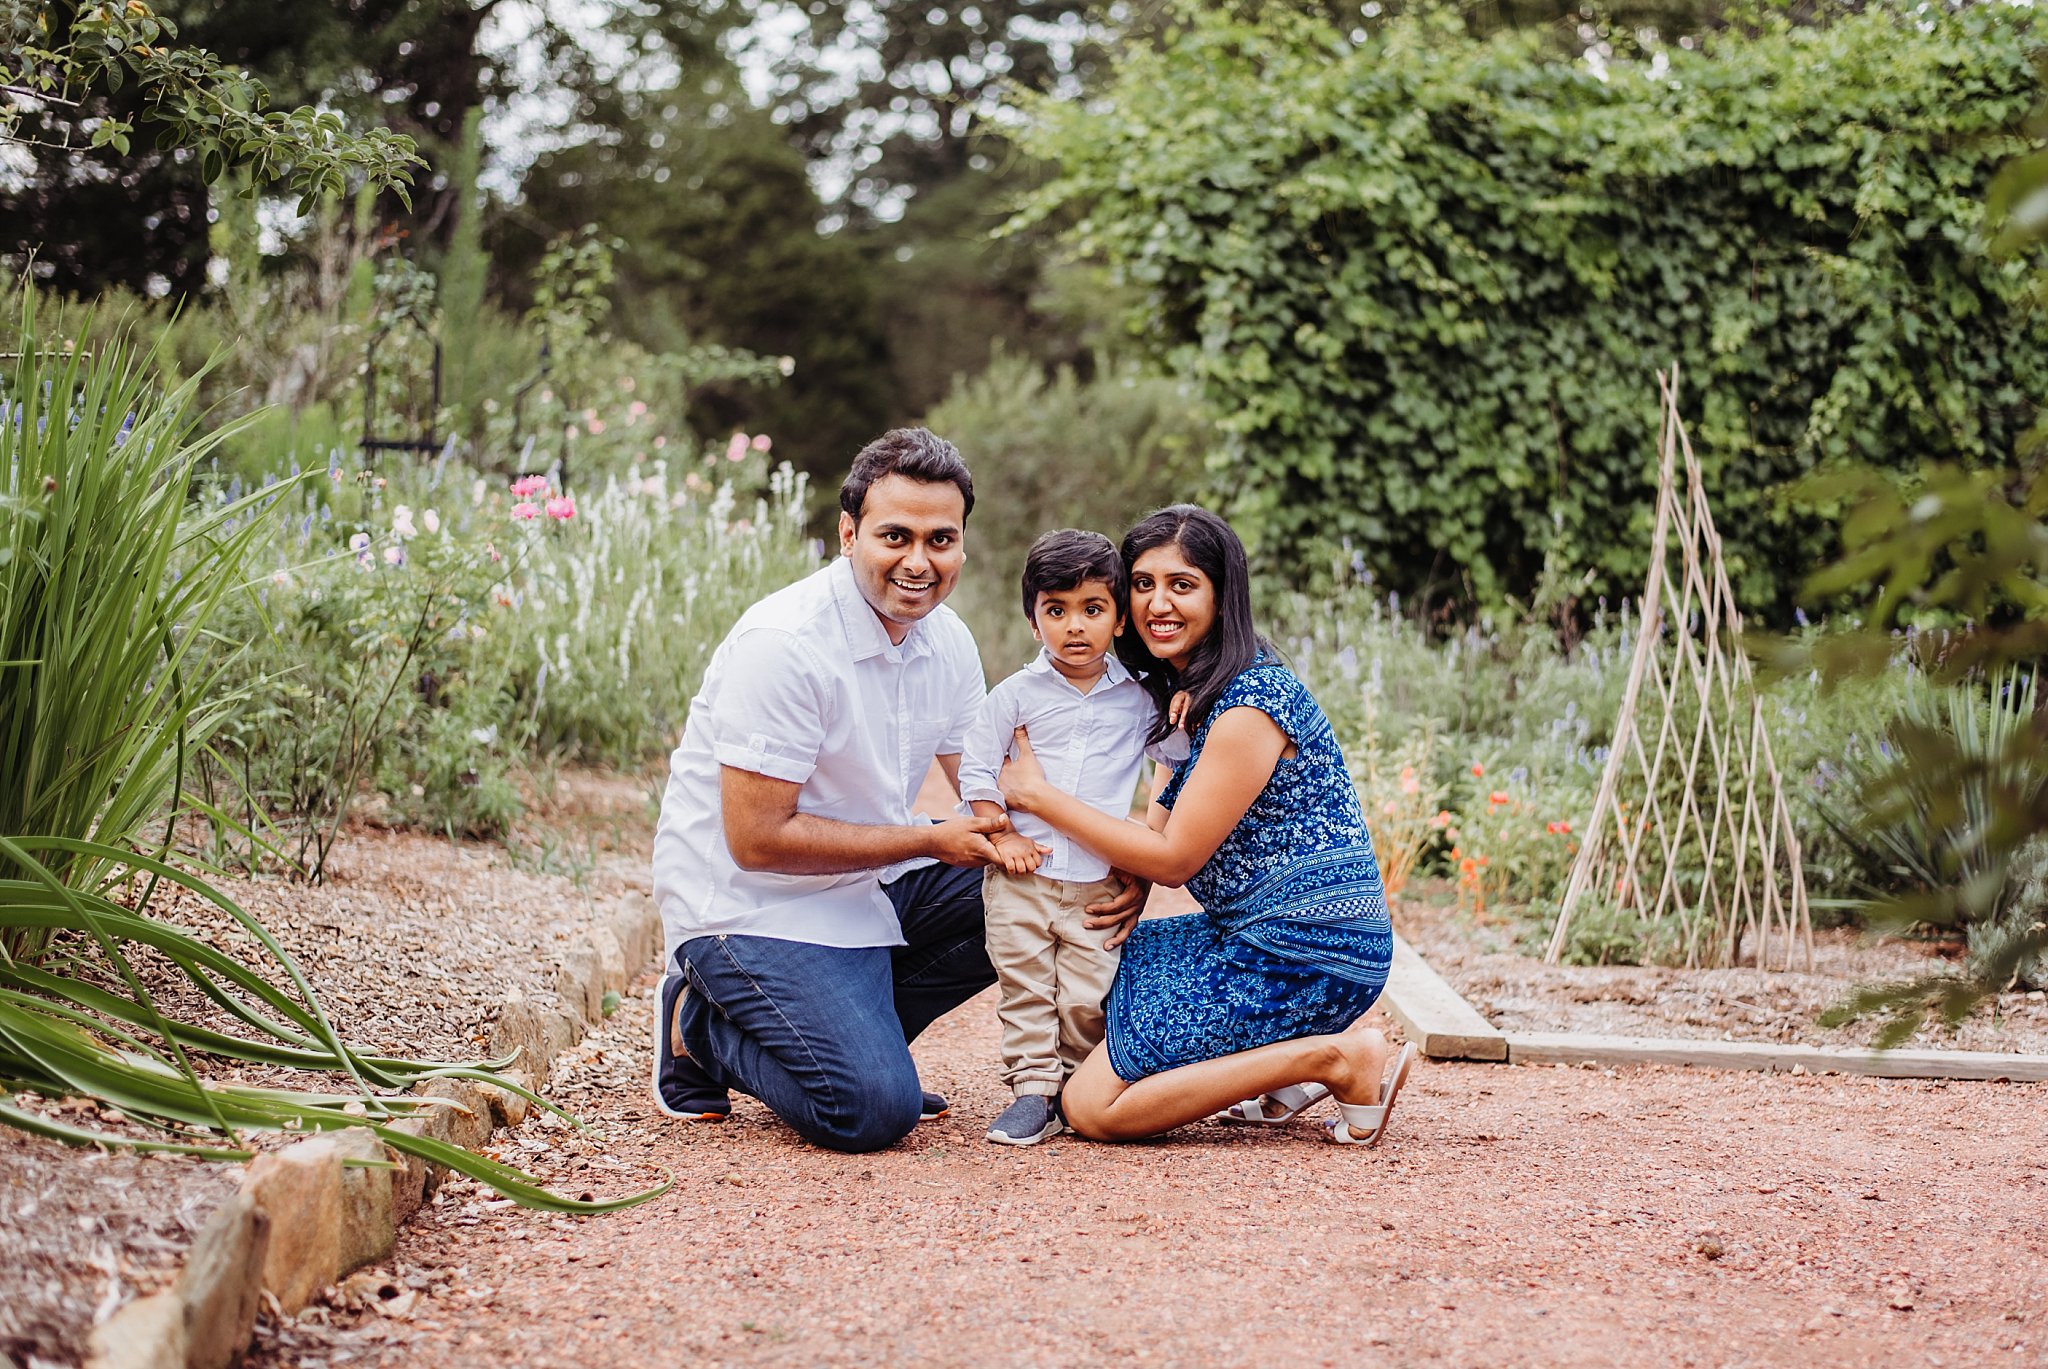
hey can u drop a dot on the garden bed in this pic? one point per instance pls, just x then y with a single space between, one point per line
1491 963
413 943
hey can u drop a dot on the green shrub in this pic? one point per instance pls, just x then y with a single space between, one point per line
435 634
1421 280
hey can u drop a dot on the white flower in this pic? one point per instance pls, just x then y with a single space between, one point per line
394 556
282 579
431 520
401 522
484 736
360 542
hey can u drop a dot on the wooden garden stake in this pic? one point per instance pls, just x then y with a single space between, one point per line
1724 862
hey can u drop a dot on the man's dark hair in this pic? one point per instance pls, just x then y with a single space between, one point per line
1069 558
918 453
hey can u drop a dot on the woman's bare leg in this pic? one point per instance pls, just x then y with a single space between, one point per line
1103 1107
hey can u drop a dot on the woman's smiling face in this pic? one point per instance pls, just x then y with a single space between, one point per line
1173 604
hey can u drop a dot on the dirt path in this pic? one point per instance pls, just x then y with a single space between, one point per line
1514 1217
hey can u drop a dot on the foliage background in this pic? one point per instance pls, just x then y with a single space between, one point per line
1421 277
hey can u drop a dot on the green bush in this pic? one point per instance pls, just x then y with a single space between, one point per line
1421 281
434 634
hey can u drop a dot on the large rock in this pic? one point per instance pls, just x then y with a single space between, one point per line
369 1224
148 1333
468 1122
611 956
221 1285
561 1027
637 925
519 1028
580 981
300 1187
509 1109
414 1184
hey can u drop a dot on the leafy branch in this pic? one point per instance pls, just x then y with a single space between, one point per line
61 54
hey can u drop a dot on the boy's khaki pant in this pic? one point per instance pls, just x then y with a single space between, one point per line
1053 973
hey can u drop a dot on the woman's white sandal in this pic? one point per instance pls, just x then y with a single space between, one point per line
1271 1109
1363 1124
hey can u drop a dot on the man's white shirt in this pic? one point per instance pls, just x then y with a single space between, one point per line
1092 745
808 688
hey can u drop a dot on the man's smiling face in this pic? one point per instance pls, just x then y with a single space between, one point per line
907 548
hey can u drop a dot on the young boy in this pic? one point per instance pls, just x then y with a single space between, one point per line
1087 719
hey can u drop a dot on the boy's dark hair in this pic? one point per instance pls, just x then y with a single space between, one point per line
917 453
1068 559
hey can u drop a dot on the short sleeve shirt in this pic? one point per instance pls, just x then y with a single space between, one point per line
808 688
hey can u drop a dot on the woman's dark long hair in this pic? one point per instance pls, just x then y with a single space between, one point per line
1233 641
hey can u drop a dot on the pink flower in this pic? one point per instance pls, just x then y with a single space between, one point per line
736 450
394 556
561 508
526 487
1410 784
596 426
492 552
761 442
1441 820
637 407
526 508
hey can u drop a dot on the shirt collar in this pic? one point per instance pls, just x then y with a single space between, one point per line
1116 674
865 635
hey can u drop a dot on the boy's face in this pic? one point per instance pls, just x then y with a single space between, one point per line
1077 627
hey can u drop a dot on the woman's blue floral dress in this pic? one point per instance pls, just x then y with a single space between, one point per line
1293 939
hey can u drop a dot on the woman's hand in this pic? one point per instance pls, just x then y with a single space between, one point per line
1121 911
1022 779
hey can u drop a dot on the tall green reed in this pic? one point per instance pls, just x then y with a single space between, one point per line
109 577
104 652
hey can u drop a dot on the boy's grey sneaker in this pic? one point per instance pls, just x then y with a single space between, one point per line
1029 1120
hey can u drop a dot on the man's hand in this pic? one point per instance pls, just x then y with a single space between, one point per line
1121 911
1019 854
965 841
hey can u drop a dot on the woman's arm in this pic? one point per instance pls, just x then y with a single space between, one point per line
1244 746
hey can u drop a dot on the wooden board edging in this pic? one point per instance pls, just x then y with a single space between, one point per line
1434 1015
1568 1048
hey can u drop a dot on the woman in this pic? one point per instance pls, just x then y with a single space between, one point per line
1266 987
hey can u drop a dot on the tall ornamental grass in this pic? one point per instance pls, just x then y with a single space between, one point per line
103 650
109 578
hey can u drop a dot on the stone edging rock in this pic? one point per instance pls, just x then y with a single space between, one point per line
307 1215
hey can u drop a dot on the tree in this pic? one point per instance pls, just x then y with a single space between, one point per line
716 217
86 81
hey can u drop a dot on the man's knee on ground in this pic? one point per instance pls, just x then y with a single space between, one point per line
870 1121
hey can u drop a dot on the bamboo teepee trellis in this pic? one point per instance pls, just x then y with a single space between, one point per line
1690 830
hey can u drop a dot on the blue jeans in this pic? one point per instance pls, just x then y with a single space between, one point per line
821 1034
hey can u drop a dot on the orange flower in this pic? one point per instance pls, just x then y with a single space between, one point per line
1478 770
1498 796
1442 819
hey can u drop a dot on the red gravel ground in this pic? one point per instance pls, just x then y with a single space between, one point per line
1515 1216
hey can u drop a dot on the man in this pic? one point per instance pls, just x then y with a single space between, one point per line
815 924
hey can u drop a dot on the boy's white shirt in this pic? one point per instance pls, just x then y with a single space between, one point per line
1091 745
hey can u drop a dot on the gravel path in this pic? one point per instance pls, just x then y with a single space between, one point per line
1514 1216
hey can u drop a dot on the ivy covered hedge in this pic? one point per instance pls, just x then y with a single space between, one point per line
1425 279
